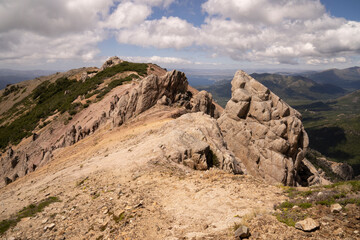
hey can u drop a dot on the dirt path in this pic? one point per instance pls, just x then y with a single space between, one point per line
116 185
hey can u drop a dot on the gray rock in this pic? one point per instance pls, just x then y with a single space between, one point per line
264 132
112 61
335 208
242 232
307 225
195 140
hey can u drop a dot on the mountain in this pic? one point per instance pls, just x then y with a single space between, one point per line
9 76
348 78
298 87
131 151
290 88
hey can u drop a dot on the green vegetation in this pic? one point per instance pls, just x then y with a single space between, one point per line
10 89
334 128
305 205
289 212
354 185
48 98
288 217
28 211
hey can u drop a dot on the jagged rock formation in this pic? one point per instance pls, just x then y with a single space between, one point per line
264 132
195 140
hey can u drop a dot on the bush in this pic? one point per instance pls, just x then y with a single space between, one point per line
28 211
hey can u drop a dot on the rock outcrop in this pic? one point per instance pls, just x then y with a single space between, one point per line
195 140
112 61
264 132
170 89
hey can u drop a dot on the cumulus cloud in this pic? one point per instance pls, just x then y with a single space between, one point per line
265 31
158 60
264 11
127 14
278 31
171 32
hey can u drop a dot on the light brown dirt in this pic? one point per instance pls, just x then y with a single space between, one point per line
125 173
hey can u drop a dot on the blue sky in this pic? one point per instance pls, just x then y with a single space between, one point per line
203 34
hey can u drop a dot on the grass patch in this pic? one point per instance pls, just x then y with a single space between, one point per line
28 211
354 184
286 204
305 205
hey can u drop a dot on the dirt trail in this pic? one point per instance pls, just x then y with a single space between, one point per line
115 184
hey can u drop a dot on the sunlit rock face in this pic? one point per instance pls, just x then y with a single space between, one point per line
263 131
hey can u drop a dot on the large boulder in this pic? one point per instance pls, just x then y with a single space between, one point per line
263 131
195 140
112 61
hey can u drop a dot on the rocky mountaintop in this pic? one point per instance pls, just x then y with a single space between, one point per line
130 151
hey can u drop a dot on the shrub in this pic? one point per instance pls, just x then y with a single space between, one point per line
27 211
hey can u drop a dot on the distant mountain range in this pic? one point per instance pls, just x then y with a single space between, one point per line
348 78
290 88
9 76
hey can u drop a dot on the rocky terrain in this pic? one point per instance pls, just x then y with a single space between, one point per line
150 157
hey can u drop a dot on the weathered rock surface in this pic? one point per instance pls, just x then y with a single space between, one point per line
343 170
112 61
264 132
309 174
195 140
242 232
307 225
335 208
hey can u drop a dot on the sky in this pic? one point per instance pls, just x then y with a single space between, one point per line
182 34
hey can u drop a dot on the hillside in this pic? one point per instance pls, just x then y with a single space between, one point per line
334 128
130 151
294 88
348 78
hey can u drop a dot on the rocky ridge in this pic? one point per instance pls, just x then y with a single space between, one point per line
260 132
125 168
127 102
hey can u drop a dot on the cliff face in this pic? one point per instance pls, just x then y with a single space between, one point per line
264 132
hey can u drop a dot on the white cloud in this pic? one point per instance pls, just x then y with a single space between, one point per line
158 60
157 3
264 11
171 32
318 61
277 31
51 17
265 31
127 14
